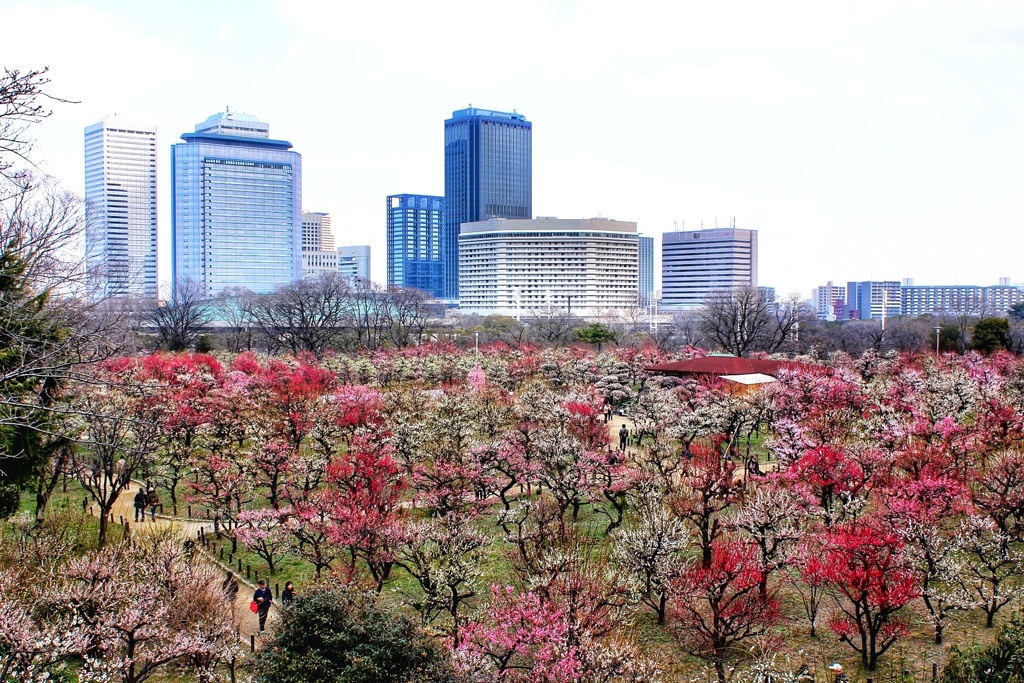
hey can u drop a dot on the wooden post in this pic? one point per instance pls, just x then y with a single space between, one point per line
252 643
121 517
247 572
935 670
221 555
190 512
277 593
239 565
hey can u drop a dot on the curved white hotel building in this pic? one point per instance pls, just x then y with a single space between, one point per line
582 266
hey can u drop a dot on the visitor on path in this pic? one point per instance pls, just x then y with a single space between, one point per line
623 437
154 500
140 505
230 588
263 597
288 594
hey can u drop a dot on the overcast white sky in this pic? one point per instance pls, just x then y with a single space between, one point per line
866 140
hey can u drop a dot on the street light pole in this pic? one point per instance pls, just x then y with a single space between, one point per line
937 330
476 342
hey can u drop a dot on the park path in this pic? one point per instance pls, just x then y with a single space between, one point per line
123 512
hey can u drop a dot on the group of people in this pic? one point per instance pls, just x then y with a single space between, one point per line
146 497
262 598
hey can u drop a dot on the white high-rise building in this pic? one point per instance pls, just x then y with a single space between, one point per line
586 267
824 300
697 263
318 255
120 208
316 231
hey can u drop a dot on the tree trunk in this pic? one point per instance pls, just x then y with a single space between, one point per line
102 541
720 670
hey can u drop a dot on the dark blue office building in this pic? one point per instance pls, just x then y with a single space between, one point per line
488 173
415 223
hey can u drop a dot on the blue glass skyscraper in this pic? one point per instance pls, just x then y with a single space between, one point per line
488 173
415 223
236 203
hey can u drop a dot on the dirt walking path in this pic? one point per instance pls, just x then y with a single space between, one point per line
246 622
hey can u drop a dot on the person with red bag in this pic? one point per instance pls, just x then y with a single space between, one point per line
262 599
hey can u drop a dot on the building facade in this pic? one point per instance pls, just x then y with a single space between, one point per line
959 300
646 266
354 262
488 173
316 231
696 263
318 254
415 225
828 301
873 299
236 206
583 267
120 208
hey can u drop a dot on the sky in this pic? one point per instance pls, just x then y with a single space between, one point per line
867 140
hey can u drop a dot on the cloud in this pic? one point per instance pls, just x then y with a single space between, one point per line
1013 37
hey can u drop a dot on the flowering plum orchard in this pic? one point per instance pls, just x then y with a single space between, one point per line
869 501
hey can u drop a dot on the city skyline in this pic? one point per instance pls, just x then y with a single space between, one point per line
861 142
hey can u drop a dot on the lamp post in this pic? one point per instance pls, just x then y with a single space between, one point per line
937 330
476 342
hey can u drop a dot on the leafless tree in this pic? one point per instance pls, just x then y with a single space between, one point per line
371 318
506 329
179 320
48 329
747 319
234 309
21 97
553 327
408 311
308 315
115 439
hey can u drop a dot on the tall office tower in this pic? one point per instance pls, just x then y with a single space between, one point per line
120 208
354 262
824 300
873 299
415 244
584 266
318 255
646 269
696 263
488 173
316 231
236 198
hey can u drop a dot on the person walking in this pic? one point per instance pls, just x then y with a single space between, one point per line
140 505
230 588
623 437
288 595
153 500
263 598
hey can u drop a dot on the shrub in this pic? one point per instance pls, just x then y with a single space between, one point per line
338 634
1001 662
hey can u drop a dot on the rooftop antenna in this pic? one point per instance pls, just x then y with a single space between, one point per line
675 225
